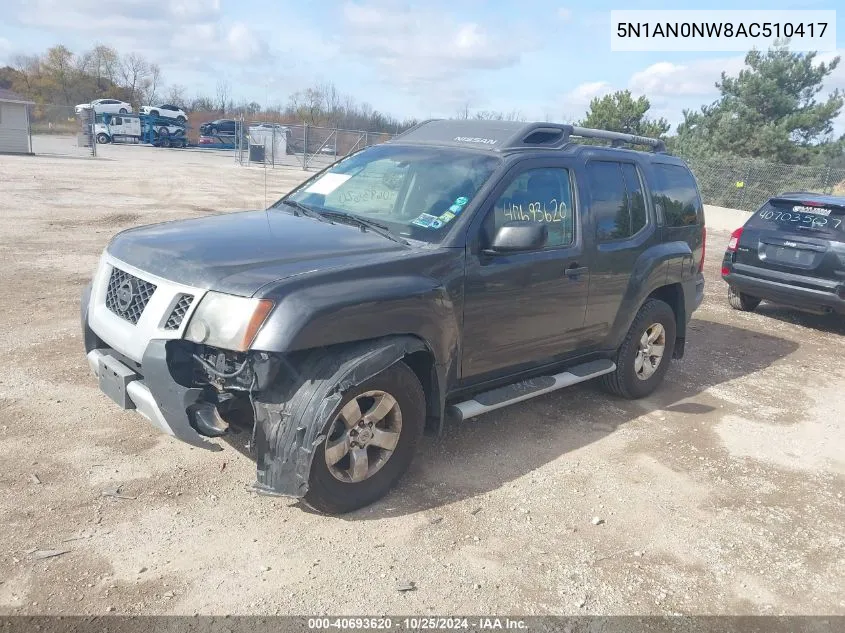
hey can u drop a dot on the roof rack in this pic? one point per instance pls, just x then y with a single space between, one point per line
504 135
618 138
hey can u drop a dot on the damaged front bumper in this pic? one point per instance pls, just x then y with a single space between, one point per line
151 391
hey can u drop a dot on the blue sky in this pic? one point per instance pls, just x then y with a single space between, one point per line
544 58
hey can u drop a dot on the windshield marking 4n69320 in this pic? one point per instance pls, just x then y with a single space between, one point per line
400 188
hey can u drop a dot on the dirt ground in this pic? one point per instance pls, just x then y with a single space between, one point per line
721 494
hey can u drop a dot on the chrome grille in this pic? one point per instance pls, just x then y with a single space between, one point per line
179 312
127 296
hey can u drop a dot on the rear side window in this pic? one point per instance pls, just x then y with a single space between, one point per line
617 198
791 215
676 196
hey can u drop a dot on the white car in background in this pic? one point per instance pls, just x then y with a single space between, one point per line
165 110
106 106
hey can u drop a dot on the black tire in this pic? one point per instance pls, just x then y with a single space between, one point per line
624 382
153 112
124 111
103 138
213 131
181 119
327 494
742 301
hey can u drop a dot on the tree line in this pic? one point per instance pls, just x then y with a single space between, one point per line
60 77
771 110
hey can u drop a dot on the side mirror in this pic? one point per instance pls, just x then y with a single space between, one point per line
515 237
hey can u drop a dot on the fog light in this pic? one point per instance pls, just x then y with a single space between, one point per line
198 331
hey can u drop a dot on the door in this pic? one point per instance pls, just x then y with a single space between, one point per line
523 309
622 229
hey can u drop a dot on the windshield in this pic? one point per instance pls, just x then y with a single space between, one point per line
415 192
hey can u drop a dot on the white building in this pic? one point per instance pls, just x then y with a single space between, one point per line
14 123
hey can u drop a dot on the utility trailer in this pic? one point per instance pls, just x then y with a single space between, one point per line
140 128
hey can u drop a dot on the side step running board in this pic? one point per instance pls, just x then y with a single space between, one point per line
527 389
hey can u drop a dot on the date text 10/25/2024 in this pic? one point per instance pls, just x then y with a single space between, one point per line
419 623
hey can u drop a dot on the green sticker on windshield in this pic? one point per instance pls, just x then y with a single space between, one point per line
428 221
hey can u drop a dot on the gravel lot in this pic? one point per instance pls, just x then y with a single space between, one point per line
722 493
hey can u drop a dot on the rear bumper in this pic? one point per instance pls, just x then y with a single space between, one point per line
785 293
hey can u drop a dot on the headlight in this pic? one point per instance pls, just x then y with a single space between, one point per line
226 321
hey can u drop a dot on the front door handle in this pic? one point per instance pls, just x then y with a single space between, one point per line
574 270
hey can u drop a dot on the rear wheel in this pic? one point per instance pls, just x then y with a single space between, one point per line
742 301
643 358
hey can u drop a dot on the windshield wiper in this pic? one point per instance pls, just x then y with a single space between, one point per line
301 208
372 225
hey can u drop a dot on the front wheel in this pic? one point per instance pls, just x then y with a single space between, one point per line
102 139
370 441
181 119
643 358
123 111
741 301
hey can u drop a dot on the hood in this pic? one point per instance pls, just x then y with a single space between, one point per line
238 253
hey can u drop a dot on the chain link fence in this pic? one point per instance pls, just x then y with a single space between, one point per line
59 130
747 184
304 146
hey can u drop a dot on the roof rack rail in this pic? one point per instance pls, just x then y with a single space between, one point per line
510 135
618 138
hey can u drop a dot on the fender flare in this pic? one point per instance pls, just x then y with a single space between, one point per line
290 417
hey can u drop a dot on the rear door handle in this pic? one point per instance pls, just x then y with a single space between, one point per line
575 271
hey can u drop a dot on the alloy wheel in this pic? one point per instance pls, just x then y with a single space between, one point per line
363 436
650 352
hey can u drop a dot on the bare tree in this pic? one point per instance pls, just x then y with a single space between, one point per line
224 91
134 69
201 102
29 71
176 96
332 101
151 84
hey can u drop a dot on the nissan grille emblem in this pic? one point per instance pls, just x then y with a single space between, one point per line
125 295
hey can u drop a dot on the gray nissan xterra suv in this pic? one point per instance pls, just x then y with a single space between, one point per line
459 268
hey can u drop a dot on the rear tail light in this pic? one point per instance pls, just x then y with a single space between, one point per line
734 241
725 271
703 248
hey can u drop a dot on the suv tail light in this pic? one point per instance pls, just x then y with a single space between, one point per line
734 241
703 248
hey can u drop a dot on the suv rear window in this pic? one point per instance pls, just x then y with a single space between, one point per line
793 215
676 195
